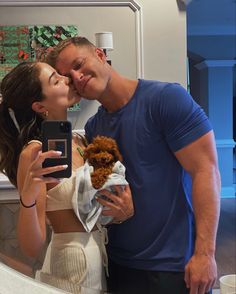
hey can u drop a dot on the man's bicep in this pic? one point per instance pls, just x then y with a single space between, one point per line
198 155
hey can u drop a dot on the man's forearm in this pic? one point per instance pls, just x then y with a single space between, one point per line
206 205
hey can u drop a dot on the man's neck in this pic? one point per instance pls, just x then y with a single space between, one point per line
119 92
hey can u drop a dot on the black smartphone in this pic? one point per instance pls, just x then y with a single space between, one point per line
57 135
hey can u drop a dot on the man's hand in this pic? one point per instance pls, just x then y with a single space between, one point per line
121 206
200 273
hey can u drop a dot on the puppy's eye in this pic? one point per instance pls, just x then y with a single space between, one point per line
97 150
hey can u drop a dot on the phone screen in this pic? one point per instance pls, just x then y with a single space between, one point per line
58 145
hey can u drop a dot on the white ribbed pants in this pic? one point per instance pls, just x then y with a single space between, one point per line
74 262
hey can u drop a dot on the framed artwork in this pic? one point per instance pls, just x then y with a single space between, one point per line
21 43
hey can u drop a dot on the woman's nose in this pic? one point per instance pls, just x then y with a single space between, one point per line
67 80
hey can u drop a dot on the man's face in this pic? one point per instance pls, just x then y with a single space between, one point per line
88 69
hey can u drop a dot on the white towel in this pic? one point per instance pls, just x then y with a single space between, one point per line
84 203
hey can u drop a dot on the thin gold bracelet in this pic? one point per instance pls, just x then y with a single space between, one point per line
118 222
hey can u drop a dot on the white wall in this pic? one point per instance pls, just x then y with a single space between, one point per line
164 38
89 20
163 35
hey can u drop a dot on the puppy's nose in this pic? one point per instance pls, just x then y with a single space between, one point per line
104 159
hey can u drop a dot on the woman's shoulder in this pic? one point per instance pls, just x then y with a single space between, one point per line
80 139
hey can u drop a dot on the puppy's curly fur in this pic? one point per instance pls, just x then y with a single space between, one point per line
102 154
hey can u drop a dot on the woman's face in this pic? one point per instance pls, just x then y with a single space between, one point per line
58 92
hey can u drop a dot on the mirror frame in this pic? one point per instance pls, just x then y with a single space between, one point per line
137 9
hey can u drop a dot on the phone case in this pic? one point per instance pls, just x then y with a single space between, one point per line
57 135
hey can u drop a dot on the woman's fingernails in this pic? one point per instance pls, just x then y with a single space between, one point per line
65 166
58 152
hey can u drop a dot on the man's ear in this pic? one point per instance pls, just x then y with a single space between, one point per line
100 53
38 107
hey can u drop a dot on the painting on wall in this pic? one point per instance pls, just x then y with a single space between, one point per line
21 43
44 38
14 47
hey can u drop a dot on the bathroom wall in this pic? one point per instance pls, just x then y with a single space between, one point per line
162 33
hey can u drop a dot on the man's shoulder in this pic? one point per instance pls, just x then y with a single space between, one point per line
157 86
156 83
91 122
100 112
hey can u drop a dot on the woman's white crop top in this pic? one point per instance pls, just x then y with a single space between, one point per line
59 197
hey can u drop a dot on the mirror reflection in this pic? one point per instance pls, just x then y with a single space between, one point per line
27 34
32 92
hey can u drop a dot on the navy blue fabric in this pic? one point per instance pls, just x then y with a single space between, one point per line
124 280
159 119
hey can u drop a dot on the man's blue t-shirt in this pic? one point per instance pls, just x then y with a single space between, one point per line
159 119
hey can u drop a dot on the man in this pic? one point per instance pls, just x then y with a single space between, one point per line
168 148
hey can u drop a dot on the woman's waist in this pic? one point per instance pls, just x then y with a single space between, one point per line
65 221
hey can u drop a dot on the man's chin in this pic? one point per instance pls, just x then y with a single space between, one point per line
75 101
87 97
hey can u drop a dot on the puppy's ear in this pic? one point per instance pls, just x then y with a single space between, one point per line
87 151
117 154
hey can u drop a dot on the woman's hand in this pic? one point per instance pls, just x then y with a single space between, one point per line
35 174
121 205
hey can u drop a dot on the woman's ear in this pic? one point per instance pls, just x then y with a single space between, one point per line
38 107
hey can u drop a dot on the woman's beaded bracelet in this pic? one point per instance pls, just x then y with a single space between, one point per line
27 206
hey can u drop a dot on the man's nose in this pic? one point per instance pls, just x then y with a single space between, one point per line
76 75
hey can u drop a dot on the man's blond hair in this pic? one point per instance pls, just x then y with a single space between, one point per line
77 41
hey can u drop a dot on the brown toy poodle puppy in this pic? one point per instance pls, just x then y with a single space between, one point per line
102 154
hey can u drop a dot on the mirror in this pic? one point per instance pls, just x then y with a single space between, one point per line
123 19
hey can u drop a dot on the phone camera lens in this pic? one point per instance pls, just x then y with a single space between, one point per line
65 127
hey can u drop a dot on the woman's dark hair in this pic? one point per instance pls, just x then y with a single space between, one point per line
19 89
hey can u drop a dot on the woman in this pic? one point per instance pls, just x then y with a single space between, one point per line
33 92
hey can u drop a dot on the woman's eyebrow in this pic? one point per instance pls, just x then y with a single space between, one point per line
53 74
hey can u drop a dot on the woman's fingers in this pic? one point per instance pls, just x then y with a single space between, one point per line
46 180
41 156
35 152
48 170
36 169
44 155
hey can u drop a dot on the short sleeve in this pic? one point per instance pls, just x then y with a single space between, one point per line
181 119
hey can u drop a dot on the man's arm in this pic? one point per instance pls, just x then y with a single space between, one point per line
199 159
